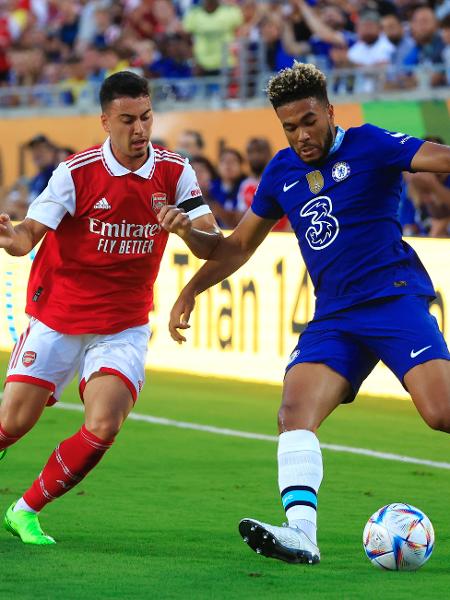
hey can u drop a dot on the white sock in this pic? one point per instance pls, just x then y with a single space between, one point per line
22 505
300 473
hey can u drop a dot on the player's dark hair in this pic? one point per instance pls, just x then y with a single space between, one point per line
300 81
123 84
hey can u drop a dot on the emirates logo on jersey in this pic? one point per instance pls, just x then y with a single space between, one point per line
28 358
159 199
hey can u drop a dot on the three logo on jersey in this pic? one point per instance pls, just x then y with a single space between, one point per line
324 226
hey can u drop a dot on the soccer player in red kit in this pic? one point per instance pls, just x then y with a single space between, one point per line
104 220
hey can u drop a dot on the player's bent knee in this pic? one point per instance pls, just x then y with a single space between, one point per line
293 417
440 421
104 429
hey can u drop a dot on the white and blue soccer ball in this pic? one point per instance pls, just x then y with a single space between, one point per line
398 537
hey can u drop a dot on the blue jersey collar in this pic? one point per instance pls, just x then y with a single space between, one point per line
337 140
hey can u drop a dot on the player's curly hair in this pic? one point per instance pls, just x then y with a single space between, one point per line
302 80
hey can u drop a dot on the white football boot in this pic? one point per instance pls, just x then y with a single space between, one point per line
285 543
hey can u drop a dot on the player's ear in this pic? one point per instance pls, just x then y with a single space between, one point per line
105 122
330 110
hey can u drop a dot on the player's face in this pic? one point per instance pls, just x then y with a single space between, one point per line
309 127
128 121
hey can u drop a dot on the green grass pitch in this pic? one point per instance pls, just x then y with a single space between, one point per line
158 518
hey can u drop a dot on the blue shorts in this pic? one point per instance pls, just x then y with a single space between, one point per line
398 330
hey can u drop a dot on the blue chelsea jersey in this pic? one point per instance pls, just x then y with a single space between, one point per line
344 214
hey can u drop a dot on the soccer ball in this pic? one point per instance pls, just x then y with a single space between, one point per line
398 537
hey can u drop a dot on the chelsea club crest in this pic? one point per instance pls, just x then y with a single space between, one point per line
340 171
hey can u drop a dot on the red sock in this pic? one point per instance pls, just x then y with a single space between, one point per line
7 440
68 464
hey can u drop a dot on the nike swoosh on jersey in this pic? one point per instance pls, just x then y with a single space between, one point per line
288 187
414 354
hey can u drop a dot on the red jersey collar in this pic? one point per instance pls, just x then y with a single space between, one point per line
115 168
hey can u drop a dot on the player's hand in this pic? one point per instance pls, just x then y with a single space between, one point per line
6 231
179 316
174 220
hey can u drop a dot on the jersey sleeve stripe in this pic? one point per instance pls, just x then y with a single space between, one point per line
165 158
169 153
86 162
82 156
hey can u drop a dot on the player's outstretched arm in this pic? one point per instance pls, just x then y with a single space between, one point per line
432 157
20 239
229 255
200 235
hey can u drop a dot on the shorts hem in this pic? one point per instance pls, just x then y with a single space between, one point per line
43 383
110 371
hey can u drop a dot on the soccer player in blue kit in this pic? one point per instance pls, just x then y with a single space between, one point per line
340 190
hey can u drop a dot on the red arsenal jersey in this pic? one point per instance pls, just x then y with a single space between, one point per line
95 271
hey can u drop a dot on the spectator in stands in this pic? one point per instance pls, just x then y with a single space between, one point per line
224 189
252 14
92 65
190 143
277 57
166 19
372 49
291 14
63 153
429 46
69 18
87 22
105 32
43 154
394 30
5 43
174 62
258 153
140 20
54 49
445 32
15 200
328 30
442 9
145 53
20 195
205 173
111 61
213 26
74 82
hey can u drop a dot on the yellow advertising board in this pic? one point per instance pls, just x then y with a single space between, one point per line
243 328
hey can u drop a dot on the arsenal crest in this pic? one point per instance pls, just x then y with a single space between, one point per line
28 358
159 199
315 181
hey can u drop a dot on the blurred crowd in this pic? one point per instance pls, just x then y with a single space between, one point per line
229 183
73 42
